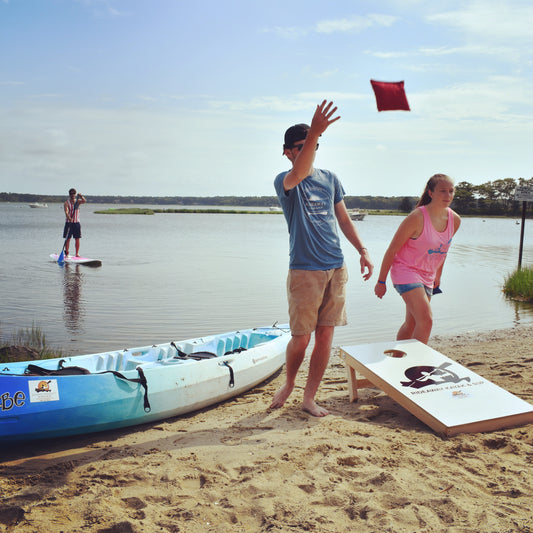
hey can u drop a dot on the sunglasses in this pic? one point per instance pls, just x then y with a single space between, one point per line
300 146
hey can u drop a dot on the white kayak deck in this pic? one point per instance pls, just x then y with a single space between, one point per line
443 394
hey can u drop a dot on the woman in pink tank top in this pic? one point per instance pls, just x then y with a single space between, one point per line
416 255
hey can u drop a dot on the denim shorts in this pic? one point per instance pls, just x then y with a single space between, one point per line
406 287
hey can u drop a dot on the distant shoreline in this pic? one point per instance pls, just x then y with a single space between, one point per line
227 204
265 202
148 211
193 210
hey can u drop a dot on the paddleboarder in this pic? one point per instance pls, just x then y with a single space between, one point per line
313 204
72 223
416 255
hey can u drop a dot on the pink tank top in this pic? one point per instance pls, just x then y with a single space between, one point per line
419 259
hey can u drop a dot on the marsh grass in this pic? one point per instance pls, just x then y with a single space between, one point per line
126 211
519 285
33 337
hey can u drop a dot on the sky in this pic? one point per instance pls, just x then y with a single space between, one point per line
191 98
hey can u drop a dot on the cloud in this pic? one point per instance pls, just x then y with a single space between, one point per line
323 74
462 50
486 28
288 32
355 23
498 99
270 103
317 97
305 101
442 51
490 20
102 8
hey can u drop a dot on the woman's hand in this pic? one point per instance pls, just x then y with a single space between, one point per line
380 289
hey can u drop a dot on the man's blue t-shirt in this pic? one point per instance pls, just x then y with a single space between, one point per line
309 209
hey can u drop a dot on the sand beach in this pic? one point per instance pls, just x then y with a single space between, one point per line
239 467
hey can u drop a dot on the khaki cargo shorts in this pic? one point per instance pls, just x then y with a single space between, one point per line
316 298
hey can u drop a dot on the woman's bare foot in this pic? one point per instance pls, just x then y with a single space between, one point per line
314 409
281 396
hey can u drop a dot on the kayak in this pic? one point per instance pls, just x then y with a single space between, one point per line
83 394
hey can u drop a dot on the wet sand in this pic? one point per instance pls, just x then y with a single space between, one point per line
240 467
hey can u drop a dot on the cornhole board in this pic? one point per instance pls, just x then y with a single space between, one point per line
443 394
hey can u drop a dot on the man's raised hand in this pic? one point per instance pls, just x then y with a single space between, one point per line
323 117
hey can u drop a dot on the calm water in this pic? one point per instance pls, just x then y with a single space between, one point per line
173 276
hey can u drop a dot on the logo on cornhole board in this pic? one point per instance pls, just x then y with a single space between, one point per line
425 376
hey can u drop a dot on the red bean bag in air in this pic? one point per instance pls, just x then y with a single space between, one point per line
390 95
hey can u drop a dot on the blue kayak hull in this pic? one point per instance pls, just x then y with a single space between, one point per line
136 386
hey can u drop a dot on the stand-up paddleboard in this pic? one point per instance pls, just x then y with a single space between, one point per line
443 394
78 260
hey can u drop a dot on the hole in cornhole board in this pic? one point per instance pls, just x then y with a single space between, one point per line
395 353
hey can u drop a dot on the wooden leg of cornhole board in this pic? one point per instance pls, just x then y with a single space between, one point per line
355 384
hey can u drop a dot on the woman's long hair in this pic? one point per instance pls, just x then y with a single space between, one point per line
430 186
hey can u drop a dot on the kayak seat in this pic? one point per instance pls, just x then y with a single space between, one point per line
118 361
229 345
114 362
215 347
240 343
103 362
130 360
258 338
244 341
197 353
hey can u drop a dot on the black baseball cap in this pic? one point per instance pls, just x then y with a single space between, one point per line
295 133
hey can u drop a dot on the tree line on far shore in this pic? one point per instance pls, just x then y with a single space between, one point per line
493 198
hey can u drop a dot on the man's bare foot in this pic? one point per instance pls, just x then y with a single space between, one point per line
281 397
314 409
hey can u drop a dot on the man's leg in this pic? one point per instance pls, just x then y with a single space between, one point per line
317 367
77 241
67 244
294 356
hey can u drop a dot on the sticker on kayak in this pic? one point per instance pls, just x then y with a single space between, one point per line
43 390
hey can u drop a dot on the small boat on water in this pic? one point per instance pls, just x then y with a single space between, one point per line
89 393
356 214
38 204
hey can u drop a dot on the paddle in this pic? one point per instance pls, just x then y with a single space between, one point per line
61 258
